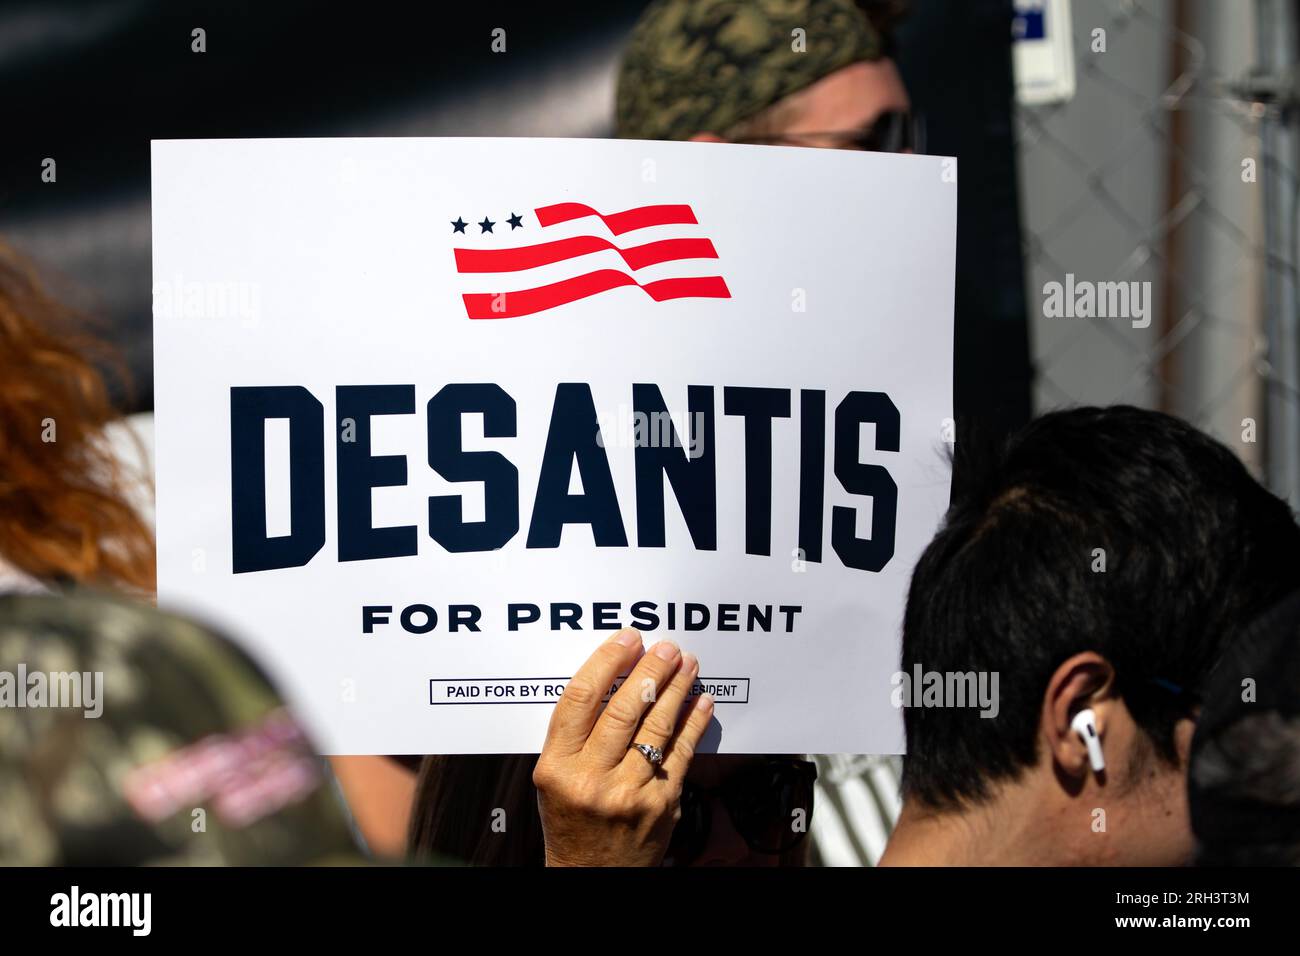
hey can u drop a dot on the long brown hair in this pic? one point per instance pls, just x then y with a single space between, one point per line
477 809
482 810
65 512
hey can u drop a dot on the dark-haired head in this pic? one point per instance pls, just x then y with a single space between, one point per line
1103 557
1244 774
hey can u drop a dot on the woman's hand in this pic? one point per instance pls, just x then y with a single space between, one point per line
602 803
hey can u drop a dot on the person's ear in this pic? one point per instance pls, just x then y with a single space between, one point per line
706 138
1084 682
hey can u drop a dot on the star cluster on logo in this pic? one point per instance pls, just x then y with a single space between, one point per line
458 224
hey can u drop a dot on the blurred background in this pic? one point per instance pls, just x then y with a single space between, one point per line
1173 162
90 83
1152 141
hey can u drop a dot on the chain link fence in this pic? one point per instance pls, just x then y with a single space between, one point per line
1171 171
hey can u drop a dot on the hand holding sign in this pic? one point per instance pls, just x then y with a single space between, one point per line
602 802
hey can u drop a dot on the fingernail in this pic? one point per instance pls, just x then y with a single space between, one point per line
704 702
666 651
690 661
629 637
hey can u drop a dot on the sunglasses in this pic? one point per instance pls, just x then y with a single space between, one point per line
764 801
892 132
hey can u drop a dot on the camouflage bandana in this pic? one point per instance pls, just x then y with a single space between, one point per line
119 724
694 66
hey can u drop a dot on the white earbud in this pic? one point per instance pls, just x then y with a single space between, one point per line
1085 725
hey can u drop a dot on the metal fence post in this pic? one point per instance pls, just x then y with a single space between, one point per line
1276 26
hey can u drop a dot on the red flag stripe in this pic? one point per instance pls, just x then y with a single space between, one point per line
545 253
618 222
478 305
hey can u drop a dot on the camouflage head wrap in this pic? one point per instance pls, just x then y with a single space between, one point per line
186 723
696 66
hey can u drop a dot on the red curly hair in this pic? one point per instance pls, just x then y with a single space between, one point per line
65 513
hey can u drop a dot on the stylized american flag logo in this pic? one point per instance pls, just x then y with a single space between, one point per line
525 300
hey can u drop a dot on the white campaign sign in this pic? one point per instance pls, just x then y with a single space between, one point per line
434 416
